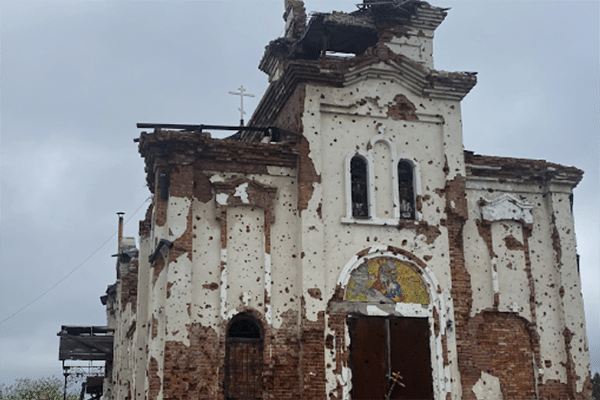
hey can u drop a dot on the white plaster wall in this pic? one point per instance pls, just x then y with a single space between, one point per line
343 121
574 317
311 229
552 312
123 347
249 273
488 387
245 257
177 303
332 135
206 277
477 258
416 45
548 304
286 254
169 315
143 322
513 282
384 207
179 274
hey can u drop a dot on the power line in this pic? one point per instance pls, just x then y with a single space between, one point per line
75 269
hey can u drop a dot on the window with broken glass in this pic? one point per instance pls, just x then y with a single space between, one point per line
406 190
244 359
359 187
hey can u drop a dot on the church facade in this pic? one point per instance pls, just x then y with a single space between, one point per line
343 245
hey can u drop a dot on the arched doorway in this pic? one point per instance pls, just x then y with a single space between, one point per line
396 317
244 358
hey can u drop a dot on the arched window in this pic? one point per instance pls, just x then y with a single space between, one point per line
244 359
406 190
359 187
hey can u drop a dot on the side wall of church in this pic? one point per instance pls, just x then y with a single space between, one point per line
522 266
233 230
124 305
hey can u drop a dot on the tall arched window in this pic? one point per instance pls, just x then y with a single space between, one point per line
359 189
406 190
244 359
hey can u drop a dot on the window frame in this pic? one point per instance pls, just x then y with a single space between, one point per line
413 200
396 158
366 188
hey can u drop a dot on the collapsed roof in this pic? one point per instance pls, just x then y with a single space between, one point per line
350 33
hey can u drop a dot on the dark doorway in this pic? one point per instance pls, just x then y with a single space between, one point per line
244 360
383 346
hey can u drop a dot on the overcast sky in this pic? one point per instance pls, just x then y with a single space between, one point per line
77 76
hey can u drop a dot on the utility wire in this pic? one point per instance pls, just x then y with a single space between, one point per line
75 269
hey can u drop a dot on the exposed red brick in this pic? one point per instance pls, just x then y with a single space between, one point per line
530 171
513 244
485 232
456 197
154 332
211 286
128 285
202 186
297 24
556 244
154 381
336 322
403 109
313 358
145 227
282 370
188 371
315 293
169 286
500 345
431 232
160 204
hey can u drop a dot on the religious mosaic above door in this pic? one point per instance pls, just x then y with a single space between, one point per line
386 280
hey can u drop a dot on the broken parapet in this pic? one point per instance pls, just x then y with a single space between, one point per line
295 18
404 27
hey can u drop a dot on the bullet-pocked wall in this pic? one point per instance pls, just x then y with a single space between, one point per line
382 121
344 234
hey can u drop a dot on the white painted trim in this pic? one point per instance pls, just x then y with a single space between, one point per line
441 376
382 138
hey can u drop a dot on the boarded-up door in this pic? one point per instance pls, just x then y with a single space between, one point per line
382 346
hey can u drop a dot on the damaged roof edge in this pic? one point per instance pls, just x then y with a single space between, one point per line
521 169
350 33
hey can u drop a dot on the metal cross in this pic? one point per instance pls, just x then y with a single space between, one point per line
241 109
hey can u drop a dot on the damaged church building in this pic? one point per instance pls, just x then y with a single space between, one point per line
343 244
